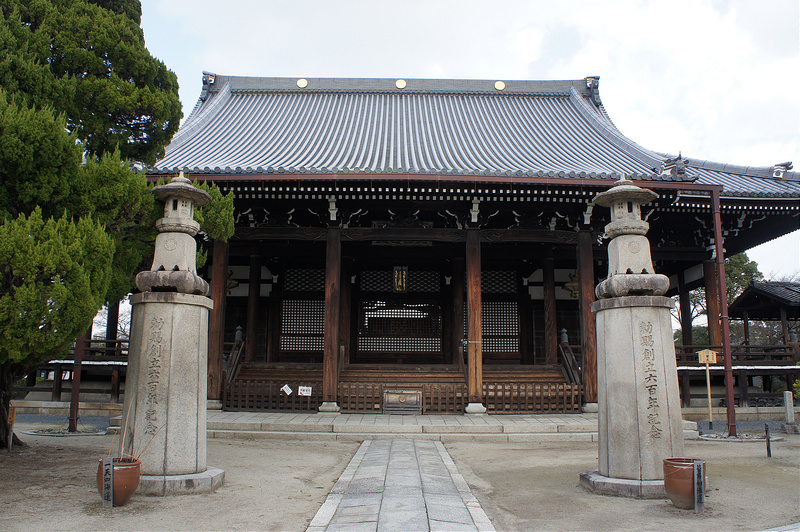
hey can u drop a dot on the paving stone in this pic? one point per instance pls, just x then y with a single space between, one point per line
365 485
361 499
371 526
401 484
410 520
447 526
559 437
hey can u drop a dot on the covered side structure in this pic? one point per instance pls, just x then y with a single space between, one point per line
429 244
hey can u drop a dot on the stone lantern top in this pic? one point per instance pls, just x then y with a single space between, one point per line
625 201
630 268
174 263
180 198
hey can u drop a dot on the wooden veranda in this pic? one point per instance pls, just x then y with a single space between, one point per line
440 389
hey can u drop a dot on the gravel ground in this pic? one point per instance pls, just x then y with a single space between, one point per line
276 485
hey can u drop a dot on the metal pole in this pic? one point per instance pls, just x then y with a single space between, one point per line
724 318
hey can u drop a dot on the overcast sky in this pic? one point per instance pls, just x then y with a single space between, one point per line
716 80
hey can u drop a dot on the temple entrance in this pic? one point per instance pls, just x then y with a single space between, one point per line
399 331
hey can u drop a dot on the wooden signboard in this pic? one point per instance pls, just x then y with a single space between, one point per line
12 416
108 481
707 356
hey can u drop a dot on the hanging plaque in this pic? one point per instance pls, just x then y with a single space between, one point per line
400 279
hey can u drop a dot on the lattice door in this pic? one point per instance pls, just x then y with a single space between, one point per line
399 331
400 328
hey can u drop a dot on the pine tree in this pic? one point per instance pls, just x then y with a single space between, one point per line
80 97
88 60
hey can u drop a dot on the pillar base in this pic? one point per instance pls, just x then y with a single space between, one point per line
623 487
329 407
589 408
475 408
207 481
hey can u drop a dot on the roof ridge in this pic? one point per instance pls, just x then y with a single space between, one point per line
201 115
753 171
425 85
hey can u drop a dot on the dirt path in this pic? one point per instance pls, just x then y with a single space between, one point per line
535 487
278 485
269 485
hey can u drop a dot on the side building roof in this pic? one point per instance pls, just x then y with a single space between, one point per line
763 300
245 125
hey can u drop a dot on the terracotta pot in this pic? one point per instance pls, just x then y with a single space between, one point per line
679 481
127 472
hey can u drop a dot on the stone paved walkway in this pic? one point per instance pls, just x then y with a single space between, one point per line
401 485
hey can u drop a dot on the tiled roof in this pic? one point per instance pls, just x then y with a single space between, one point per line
786 292
444 127
762 300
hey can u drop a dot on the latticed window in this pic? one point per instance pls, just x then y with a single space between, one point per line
399 326
303 325
304 281
498 282
500 326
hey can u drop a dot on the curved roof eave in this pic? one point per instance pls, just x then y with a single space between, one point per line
553 139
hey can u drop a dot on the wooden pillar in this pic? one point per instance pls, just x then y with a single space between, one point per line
785 328
112 322
457 286
253 297
446 296
345 307
685 312
724 318
525 320
58 381
686 398
75 389
330 361
741 377
550 324
712 303
474 334
746 325
586 284
355 308
216 318
275 318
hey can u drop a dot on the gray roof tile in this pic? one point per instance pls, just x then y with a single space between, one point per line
446 127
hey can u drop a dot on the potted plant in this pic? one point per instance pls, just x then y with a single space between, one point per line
118 476
124 478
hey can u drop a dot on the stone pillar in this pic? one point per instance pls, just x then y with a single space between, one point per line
639 410
164 415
